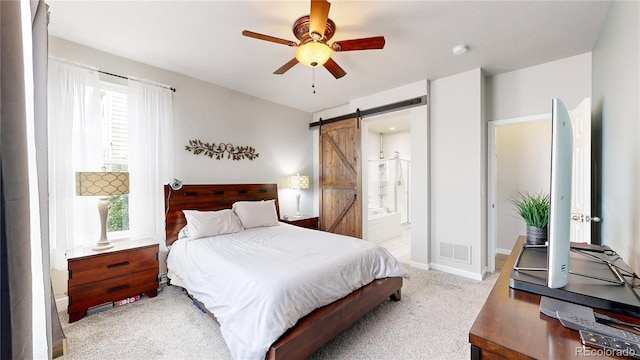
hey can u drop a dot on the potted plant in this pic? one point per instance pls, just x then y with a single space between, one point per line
534 210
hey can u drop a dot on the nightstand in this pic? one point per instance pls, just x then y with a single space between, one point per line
97 277
309 222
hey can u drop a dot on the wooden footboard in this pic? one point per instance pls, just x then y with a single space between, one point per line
322 325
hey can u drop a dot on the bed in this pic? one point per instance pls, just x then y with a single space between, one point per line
295 321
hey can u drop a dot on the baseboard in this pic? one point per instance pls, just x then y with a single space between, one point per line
503 251
455 271
485 271
62 303
419 265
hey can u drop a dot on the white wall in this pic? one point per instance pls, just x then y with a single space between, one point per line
523 153
529 91
458 160
397 141
616 118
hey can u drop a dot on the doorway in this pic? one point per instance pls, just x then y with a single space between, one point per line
520 151
388 176
519 161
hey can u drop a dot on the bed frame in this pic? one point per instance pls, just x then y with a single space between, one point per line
312 331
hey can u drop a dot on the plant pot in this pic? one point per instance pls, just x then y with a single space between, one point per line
536 235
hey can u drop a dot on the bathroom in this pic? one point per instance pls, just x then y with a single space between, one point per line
389 188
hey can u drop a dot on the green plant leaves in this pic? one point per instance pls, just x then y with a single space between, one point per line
533 208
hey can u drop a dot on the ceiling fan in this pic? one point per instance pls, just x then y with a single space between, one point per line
314 31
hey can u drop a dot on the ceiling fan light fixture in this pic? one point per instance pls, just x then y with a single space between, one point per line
313 54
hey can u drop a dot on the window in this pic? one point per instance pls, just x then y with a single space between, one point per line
115 150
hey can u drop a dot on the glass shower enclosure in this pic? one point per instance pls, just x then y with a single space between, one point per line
389 186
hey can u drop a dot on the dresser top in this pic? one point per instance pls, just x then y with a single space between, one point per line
119 245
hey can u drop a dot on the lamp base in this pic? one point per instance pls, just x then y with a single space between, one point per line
297 215
102 246
103 209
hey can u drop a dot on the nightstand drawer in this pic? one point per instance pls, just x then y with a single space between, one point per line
109 265
309 222
96 293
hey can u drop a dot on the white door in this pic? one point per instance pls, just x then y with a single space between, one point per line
581 187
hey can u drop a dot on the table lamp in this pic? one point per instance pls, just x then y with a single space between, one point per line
298 182
102 184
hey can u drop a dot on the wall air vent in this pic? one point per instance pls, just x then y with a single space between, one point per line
456 252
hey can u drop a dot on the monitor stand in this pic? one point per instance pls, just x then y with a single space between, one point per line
600 257
591 281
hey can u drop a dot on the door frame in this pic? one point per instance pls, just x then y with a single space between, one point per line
585 105
492 190
420 142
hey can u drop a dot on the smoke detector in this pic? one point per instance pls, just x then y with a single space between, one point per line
460 49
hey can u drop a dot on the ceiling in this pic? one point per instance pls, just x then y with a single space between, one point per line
202 39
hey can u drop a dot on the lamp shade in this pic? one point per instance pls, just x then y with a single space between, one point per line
298 182
102 183
313 54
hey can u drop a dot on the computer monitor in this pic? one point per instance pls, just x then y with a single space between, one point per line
560 196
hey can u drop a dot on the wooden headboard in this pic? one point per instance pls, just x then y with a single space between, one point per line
209 198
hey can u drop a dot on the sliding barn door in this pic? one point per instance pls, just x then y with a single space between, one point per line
340 178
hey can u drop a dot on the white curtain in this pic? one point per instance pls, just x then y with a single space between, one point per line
150 156
75 144
25 331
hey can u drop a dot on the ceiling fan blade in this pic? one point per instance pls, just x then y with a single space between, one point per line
334 69
318 18
284 68
376 42
258 36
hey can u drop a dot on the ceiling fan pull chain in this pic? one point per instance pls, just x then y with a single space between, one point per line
313 79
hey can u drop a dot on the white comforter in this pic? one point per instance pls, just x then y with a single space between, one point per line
259 282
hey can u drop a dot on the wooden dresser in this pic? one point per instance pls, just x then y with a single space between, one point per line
97 277
510 325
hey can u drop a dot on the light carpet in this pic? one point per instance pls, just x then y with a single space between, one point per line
432 321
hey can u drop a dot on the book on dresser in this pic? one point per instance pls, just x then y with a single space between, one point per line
128 269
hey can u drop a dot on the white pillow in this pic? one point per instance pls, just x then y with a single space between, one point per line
184 232
211 223
256 213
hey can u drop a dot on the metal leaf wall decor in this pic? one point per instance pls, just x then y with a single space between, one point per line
221 150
